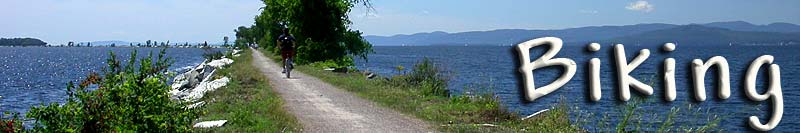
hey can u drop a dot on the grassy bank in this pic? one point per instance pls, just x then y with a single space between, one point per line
476 113
247 102
422 92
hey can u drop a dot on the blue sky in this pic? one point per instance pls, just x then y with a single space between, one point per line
59 21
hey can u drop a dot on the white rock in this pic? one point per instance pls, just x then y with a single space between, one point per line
219 63
201 89
236 51
198 104
534 114
487 125
210 124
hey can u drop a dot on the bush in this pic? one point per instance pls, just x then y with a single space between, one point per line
429 77
426 76
330 64
12 124
123 99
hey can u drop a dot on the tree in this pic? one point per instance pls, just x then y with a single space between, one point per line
225 41
320 27
244 36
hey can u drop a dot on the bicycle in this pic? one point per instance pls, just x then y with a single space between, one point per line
287 65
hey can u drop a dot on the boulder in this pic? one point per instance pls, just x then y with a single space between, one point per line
219 63
369 75
210 124
205 86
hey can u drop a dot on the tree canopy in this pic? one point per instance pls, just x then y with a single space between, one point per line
321 28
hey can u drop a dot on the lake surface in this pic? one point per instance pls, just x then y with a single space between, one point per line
473 69
30 76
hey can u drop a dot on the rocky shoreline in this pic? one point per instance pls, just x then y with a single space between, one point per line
193 84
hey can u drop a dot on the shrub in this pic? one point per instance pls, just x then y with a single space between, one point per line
12 124
123 99
331 64
429 77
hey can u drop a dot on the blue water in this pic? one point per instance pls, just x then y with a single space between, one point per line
495 67
30 76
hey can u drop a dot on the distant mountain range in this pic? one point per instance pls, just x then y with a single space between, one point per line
705 35
738 32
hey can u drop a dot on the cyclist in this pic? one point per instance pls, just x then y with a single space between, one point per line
286 45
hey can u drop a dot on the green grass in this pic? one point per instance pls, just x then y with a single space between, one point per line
448 114
247 102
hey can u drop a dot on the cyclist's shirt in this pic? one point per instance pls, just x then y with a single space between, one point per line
286 42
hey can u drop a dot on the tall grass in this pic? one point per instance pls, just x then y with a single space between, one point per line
637 115
427 76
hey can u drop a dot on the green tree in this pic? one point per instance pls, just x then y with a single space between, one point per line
244 36
320 27
225 41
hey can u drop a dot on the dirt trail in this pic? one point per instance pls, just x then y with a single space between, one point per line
321 107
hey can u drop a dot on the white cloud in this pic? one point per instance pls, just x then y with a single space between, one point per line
640 6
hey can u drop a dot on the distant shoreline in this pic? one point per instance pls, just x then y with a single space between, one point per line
5 46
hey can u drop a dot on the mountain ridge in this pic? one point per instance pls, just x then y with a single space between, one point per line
705 35
569 35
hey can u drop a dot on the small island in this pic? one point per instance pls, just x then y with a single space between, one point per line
21 42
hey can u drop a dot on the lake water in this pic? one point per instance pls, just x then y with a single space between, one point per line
30 76
494 67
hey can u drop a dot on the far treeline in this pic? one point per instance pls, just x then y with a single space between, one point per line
320 27
21 42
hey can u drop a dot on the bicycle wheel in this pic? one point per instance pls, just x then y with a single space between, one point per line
288 67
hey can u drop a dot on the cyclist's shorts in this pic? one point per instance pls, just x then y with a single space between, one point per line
287 53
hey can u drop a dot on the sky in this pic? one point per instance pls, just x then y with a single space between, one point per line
60 21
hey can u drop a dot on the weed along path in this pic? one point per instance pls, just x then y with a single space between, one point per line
321 107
